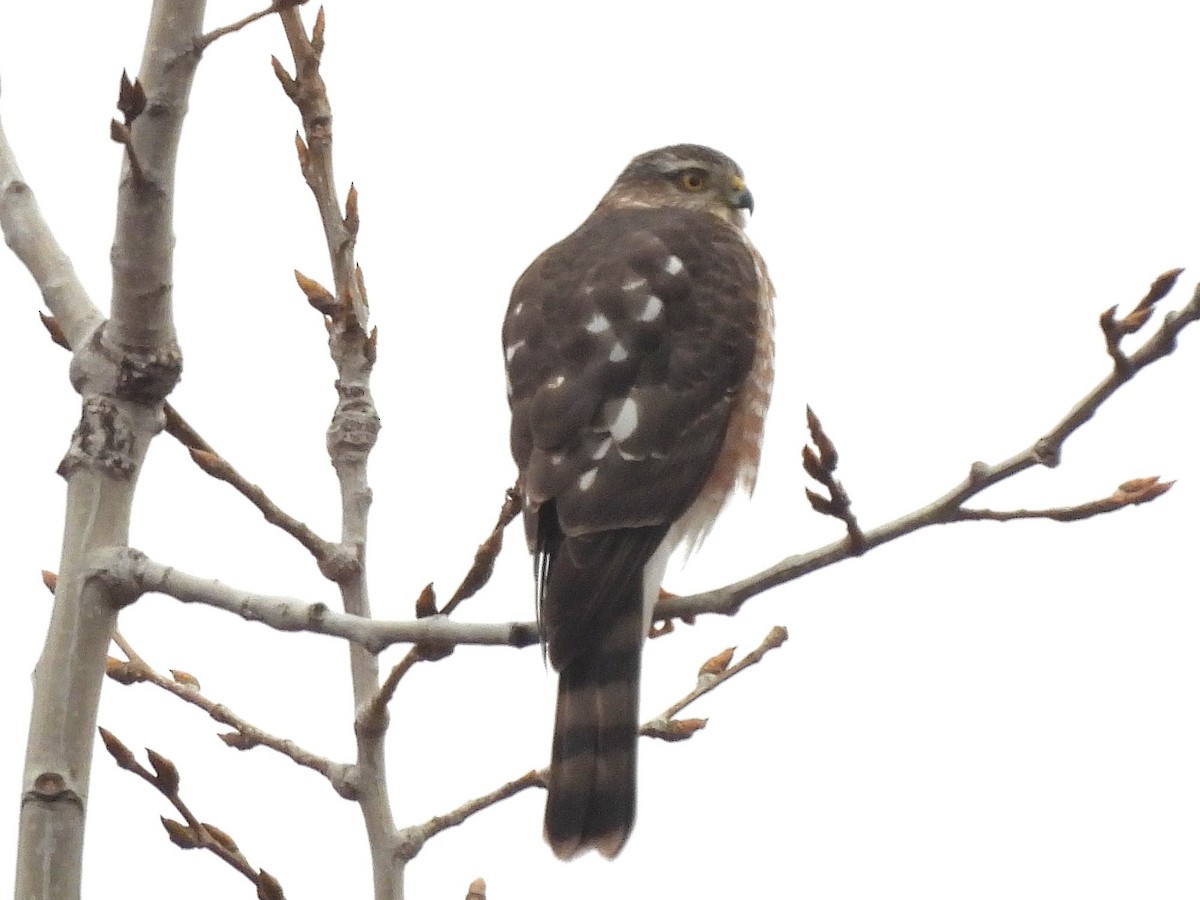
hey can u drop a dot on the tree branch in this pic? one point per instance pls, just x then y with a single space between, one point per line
713 674
245 735
30 238
191 834
132 573
123 369
1046 451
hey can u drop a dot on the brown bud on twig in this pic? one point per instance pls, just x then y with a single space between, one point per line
238 740
1141 490
181 835
123 672
477 890
121 754
427 602
221 837
211 463
50 580
351 221
680 729
131 98
286 81
1115 329
119 133
301 152
187 679
318 33
719 663
316 294
268 887
167 775
55 330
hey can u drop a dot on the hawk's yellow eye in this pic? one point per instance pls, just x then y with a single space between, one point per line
692 180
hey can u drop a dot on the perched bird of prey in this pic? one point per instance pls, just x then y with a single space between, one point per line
639 356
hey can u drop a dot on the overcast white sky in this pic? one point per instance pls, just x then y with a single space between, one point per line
947 196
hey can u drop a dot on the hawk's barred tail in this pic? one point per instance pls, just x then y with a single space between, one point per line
591 795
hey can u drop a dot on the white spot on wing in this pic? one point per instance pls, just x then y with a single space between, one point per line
652 311
587 479
618 353
673 265
511 350
556 459
516 310
556 382
598 324
634 284
622 418
602 449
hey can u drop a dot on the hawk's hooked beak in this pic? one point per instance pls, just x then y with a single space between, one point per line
740 196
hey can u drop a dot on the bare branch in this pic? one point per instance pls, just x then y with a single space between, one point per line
204 40
130 571
334 560
711 676
123 369
191 834
245 735
485 557
29 237
820 464
1135 491
412 839
1045 451
354 429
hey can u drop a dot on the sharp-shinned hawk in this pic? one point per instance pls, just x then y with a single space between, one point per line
639 356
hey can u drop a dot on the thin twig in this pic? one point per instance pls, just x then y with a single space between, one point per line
245 735
478 575
485 557
412 839
712 675
1045 451
820 463
1132 492
204 40
30 238
335 561
134 573
190 834
355 425
663 726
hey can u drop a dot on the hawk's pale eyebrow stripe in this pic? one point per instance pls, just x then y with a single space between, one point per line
673 265
598 324
652 311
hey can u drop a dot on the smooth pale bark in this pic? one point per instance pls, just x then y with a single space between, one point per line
123 370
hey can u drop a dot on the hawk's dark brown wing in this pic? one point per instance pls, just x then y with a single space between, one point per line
626 346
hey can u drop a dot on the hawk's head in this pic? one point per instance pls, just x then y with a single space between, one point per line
685 175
